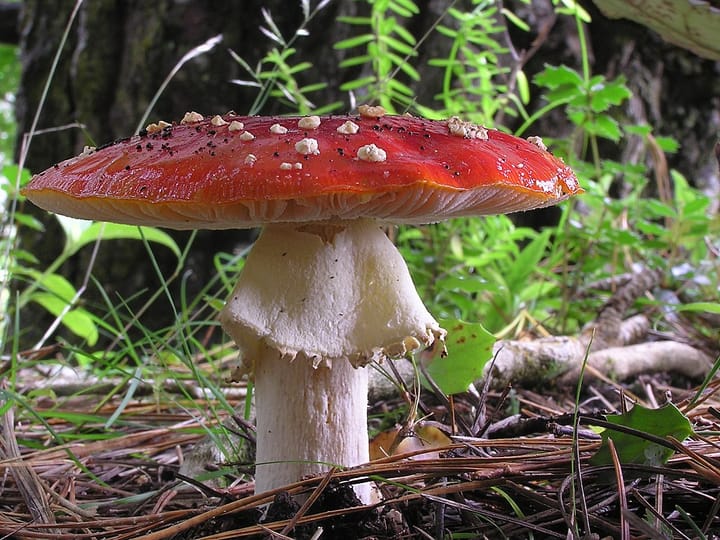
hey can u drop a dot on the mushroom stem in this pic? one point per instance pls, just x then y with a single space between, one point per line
315 303
303 437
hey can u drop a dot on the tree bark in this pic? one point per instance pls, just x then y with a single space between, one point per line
9 16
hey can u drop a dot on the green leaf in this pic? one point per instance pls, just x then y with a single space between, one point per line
642 130
22 255
708 307
515 20
72 228
469 348
397 45
355 41
116 231
356 61
10 173
604 126
407 36
650 228
523 87
607 94
399 88
78 321
566 93
447 32
622 237
658 208
556 76
668 144
407 69
528 260
354 20
683 192
572 8
357 83
663 422
52 283
404 8
469 284
31 222
696 207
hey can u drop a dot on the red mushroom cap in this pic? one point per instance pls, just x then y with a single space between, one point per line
234 172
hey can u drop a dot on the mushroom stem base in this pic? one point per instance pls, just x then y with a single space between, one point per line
301 437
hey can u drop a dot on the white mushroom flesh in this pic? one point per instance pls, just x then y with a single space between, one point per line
338 297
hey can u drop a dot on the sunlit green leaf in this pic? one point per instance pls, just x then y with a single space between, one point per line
708 307
448 32
10 174
404 8
604 126
406 36
31 222
668 144
571 7
78 321
355 41
660 209
515 20
698 206
469 348
55 284
650 228
523 87
556 76
608 94
528 259
116 231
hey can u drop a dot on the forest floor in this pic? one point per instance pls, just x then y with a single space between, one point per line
67 476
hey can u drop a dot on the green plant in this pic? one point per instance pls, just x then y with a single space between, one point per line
475 84
53 291
485 270
640 435
275 76
388 46
9 77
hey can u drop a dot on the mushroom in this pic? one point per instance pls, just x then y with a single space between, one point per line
323 292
